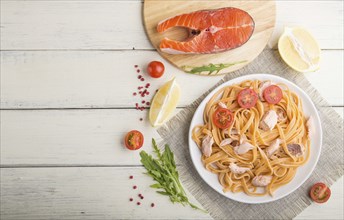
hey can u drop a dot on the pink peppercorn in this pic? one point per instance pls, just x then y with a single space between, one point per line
147 93
134 94
142 79
131 199
147 103
138 203
139 76
134 187
141 119
138 71
142 197
143 102
152 205
131 177
136 66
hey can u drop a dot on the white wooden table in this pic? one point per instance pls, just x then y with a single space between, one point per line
67 77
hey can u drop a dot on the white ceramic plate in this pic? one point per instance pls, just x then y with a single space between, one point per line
302 173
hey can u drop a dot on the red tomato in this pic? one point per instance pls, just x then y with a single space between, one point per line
247 98
133 140
273 94
156 69
223 118
320 193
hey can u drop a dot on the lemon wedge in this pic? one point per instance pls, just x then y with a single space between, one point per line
299 50
164 103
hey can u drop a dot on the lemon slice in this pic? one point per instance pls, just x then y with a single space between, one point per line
299 50
164 103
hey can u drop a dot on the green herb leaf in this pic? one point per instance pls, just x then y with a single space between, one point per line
156 186
211 68
163 193
164 171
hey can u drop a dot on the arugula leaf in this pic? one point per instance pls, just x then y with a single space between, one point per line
164 171
211 68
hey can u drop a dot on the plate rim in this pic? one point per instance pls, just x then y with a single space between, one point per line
242 78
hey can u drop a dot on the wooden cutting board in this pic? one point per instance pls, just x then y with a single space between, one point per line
262 12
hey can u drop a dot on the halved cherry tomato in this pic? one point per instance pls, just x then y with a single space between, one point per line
320 193
273 94
133 140
155 69
247 98
223 118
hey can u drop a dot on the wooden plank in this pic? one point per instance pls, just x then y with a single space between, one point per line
72 25
306 14
84 193
330 208
103 193
72 137
105 79
93 79
32 25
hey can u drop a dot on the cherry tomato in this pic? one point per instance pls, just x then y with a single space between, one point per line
133 140
156 69
273 94
320 193
247 98
223 118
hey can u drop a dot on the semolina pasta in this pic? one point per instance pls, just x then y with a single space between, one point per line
247 156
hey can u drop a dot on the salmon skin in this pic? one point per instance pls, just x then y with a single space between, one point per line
210 31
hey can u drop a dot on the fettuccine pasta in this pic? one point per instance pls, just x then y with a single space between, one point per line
262 147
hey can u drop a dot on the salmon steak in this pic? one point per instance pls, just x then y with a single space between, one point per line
210 31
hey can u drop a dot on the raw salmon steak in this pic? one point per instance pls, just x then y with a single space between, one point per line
210 31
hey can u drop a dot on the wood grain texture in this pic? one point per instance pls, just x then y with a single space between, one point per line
262 12
102 76
307 14
72 137
74 25
103 193
107 79
84 193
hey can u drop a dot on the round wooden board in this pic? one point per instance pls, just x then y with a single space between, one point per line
262 12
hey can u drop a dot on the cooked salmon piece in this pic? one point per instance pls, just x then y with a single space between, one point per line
274 146
261 180
236 169
207 144
269 120
243 148
210 31
226 141
295 149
